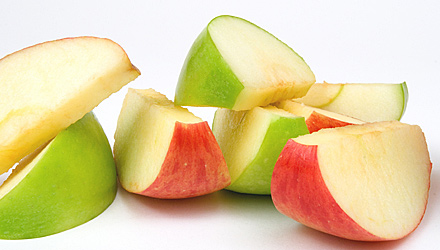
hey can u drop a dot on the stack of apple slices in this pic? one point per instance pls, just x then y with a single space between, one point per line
241 68
357 175
164 151
232 64
69 176
49 86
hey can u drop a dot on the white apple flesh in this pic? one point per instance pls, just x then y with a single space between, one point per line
365 182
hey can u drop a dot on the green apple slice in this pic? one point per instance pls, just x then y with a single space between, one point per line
251 142
60 186
237 65
367 102
47 87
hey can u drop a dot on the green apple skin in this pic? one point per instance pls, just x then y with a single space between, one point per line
73 182
257 175
256 178
405 99
207 80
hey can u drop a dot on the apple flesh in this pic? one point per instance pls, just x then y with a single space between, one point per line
316 118
251 142
366 102
237 65
49 86
365 182
61 185
164 151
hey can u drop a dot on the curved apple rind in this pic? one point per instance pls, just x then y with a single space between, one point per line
304 196
214 74
405 94
62 187
316 118
191 167
361 182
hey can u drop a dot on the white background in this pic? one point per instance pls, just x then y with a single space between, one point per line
342 41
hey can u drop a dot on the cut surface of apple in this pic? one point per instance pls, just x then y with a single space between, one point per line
237 65
316 118
366 182
251 142
365 101
165 151
47 87
63 184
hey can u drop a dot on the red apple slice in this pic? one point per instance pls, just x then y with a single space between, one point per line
316 118
164 151
365 182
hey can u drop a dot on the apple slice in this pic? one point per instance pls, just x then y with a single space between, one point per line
367 102
366 182
164 151
251 142
316 118
236 64
47 87
59 186
321 94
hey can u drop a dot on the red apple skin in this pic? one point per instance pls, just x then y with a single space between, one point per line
194 165
317 121
299 192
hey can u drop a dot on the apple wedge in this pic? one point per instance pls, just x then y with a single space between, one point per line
237 65
49 86
164 151
368 102
63 184
316 118
366 182
251 142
